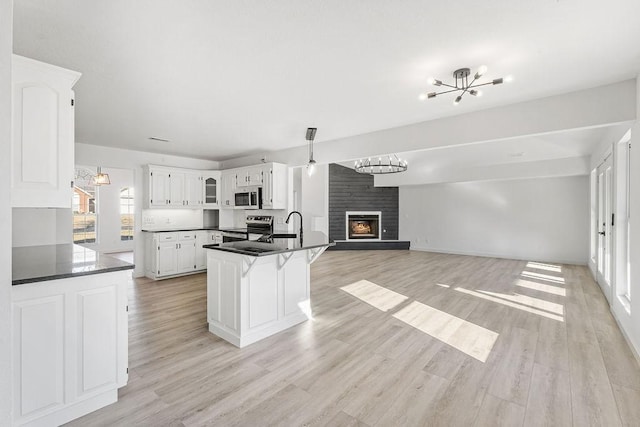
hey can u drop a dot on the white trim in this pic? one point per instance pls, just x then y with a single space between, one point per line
346 225
495 255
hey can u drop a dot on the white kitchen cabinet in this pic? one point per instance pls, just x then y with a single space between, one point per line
211 186
170 254
173 187
70 350
193 189
186 252
227 199
167 259
250 176
275 186
43 134
159 187
176 188
250 298
205 237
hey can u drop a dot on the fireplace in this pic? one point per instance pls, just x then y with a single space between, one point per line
363 225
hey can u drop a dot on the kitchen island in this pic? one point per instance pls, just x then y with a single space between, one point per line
70 349
258 288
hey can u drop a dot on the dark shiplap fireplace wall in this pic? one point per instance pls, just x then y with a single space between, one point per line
352 191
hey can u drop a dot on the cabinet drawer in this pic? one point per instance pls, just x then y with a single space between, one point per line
187 236
167 237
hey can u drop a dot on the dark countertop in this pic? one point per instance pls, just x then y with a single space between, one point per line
39 263
169 230
311 239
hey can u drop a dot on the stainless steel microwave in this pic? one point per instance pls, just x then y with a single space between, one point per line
249 198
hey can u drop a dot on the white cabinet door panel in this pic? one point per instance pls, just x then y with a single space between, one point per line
39 341
263 296
186 256
43 134
167 259
193 190
176 191
97 309
230 279
159 188
294 293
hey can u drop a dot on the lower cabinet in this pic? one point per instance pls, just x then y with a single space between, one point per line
170 254
70 346
251 298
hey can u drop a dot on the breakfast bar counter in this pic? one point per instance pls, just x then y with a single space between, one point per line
258 288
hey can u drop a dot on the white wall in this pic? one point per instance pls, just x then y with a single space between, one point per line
6 40
32 227
94 155
315 199
109 211
629 321
543 219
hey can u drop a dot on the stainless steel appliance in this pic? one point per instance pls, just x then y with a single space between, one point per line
249 198
257 226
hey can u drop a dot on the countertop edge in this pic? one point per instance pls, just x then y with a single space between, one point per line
263 254
70 275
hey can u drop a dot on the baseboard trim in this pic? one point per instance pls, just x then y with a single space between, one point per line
501 256
350 245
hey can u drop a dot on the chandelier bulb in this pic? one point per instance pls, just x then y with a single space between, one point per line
508 79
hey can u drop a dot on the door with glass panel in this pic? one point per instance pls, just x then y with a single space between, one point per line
605 224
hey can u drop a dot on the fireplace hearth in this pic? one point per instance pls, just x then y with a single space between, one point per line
363 225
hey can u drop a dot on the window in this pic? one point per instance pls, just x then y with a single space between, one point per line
84 204
126 213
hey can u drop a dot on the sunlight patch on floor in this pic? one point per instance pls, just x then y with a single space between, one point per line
467 337
538 303
540 276
380 297
555 290
509 303
544 266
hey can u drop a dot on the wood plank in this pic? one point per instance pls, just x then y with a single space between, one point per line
549 402
496 412
355 364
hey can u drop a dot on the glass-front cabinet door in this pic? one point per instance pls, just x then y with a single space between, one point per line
211 189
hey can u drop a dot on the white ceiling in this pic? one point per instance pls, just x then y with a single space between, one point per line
226 79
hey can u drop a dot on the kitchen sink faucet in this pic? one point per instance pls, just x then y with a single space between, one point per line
287 222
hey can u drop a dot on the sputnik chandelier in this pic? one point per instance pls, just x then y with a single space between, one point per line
462 84
383 164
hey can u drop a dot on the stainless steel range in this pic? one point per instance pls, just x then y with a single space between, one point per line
256 227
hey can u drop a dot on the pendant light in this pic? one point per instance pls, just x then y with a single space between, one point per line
382 165
101 178
311 166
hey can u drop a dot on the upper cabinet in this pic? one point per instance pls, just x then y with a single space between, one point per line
172 187
274 188
43 134
228 190
250 176
211 186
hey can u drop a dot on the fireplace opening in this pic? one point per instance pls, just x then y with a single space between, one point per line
363 225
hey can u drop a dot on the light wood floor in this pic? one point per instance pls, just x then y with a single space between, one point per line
557 358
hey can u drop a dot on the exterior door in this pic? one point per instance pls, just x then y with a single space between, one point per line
605 223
